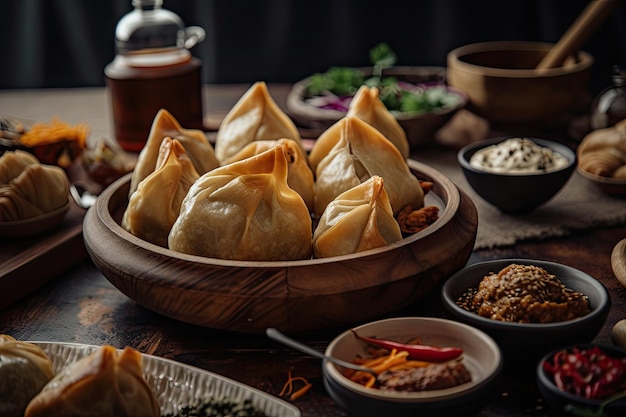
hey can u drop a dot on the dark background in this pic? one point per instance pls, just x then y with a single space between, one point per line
67 43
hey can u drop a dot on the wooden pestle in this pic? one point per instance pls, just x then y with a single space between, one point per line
596 12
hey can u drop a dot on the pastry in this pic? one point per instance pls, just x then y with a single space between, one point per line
245 211
357 220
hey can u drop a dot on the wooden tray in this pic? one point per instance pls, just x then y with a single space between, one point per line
28 263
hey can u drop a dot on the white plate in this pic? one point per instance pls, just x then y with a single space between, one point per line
177 385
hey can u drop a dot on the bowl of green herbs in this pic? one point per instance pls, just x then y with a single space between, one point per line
418 97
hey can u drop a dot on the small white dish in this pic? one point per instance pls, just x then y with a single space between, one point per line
481 356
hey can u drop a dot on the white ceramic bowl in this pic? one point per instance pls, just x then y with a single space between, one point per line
481 356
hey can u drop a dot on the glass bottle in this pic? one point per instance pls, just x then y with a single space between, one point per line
609 107
153 69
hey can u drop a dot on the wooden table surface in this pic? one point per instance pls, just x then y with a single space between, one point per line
81 306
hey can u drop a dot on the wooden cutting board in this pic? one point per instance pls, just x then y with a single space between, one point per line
27 263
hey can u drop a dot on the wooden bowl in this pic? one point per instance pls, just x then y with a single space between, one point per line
610 185
33 225
504 87
419 129
249 296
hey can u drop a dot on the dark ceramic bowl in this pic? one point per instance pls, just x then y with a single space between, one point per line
481 357
516 193
569 404
525 343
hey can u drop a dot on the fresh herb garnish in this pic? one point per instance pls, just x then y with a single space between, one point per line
580 411
339 83
382 57
219 408
337 80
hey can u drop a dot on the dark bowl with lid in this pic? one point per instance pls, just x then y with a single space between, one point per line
525 343
516 193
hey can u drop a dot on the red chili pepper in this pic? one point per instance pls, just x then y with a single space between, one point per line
417 352
589 373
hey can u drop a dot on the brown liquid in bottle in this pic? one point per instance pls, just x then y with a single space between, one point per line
141 84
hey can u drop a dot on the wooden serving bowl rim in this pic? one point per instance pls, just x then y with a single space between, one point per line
444 188
455 59
298 295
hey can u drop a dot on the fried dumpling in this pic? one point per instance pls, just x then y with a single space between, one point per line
256 116
36 190
194 141
357 220
13 163
245 211
359 152
603 151
153 208
367 106
300 176
106 383
24 370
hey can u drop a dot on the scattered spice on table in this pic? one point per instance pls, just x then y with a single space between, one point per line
288 388
212 407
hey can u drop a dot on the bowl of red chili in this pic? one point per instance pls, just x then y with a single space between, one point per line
423 366
584 378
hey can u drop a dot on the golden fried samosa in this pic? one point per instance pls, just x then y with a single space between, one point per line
194 141
106 383
256 116
603 151
153 208
359 152
245 211
300 176
13 163
357 220
37 190
24 370
367 106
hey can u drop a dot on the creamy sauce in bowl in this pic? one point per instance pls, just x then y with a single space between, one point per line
517 156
